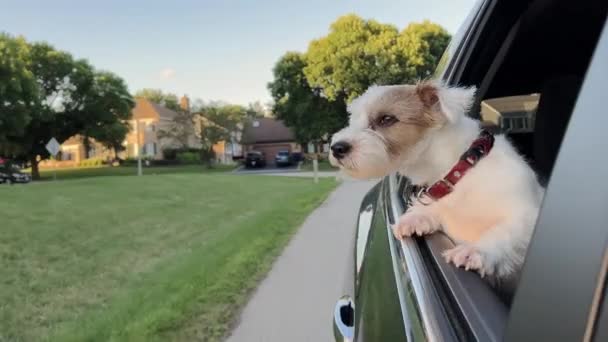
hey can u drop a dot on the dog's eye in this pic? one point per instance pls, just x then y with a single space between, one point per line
386 120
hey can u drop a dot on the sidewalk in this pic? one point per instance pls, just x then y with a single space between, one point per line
295 302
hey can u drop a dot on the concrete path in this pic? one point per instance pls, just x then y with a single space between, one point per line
322 174
295 302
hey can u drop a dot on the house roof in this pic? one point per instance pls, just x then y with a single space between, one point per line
146 109
512 105
266 130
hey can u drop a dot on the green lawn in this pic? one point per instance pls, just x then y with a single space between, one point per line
161 258
71 173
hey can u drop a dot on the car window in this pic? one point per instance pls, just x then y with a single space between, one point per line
527 94
530 95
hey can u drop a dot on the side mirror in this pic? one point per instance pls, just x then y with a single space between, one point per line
344 320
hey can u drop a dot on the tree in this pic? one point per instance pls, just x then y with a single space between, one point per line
218 123
17 89
109 106
310 115
256 110
168 100
358 53
71 99
424 44
180 130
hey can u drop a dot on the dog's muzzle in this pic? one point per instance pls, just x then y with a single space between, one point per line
340 149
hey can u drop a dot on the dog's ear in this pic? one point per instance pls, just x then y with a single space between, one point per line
455 102
428 93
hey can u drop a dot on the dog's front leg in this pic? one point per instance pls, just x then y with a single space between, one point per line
418 220
499 253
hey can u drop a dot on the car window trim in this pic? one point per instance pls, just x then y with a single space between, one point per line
454 71
411 267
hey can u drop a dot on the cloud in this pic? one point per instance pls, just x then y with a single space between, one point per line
167 73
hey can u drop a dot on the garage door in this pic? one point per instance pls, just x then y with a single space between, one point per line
271 151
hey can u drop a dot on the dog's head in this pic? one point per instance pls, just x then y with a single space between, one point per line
388 124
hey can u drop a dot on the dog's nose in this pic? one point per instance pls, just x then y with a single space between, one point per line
340 149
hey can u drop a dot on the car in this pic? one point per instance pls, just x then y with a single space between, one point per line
540 67
255 159
11 174
283 158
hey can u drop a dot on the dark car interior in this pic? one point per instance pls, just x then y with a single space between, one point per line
526 47
536 55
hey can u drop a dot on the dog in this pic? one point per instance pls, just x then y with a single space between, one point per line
490 197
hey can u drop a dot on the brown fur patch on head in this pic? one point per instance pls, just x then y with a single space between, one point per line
427 93
415 107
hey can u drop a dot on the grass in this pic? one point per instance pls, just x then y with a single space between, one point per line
165 258
324 165
85 172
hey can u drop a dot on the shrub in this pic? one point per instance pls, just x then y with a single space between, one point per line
188 157
91 162
170 153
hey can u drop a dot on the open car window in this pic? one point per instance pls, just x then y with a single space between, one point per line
528 94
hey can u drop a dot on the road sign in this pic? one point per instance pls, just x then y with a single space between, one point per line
53 147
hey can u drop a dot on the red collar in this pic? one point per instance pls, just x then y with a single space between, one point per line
478 149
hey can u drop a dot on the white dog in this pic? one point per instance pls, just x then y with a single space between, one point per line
487 201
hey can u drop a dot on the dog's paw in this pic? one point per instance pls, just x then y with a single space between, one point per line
412 224
468 257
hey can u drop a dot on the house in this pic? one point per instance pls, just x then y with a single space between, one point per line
269 136
73 151
148 121
513 114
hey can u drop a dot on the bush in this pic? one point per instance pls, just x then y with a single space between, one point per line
172 153
188 157
92 162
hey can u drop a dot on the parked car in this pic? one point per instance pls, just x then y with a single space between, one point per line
255 159
11 174
283 158
405 291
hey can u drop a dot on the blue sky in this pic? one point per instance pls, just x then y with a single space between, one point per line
213 50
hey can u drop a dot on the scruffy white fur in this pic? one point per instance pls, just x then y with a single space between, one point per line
492 211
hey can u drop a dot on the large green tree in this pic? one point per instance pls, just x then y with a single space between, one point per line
71 98
18 88
168 100
358 53
310 90
309 114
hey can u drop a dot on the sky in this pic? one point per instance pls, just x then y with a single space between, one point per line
214 50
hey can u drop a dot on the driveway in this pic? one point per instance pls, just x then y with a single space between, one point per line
296 300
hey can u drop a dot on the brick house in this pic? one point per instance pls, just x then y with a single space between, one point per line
269 136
